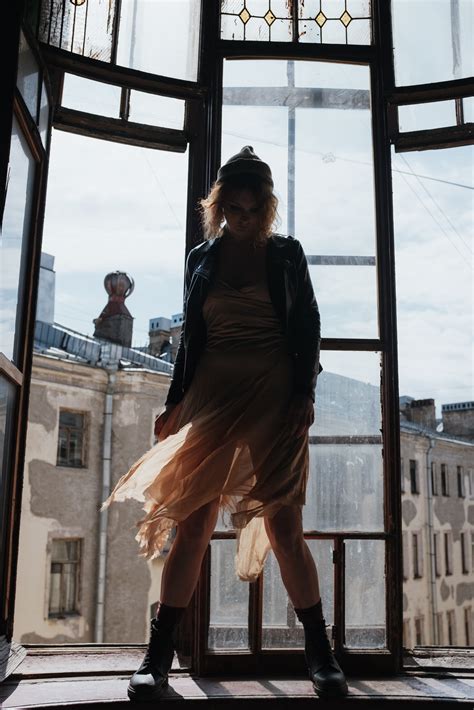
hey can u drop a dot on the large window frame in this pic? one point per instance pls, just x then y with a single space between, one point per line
202 132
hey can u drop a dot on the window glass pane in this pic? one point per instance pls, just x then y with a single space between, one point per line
28 76
365 593
43 123
421 25
345 488
161 37
136 211
281 628
433 242
326 162
229 600
348 395
421 117
91 96
156 110
468 109
347 299
13 239
84 28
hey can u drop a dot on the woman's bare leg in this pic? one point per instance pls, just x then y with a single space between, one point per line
297 566
183 564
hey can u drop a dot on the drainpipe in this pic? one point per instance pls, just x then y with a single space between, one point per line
104 515
431 566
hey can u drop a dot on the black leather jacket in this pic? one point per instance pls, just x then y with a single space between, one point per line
293 299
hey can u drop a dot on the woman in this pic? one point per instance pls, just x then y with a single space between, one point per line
234 432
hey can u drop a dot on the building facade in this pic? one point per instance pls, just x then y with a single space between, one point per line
60 537
438 524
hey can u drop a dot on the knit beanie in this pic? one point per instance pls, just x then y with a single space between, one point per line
245 163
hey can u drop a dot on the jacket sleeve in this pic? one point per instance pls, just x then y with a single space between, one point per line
175 392
306 329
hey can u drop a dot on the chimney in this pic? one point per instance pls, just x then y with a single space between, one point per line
159 333
422 412
176 325
46 289
115 323
458 419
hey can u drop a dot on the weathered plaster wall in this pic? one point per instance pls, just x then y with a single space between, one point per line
138 397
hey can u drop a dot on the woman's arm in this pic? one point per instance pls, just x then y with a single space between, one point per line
306 329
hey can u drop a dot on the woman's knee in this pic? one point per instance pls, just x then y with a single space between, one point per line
285 530
198 527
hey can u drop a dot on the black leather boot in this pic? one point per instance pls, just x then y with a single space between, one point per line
151 679
325 672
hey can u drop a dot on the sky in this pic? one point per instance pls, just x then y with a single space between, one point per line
111 206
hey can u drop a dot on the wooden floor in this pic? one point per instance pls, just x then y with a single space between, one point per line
89 677
400 692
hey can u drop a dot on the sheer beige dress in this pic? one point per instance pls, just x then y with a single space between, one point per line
228 437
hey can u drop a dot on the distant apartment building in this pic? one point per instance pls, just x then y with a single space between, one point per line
437 462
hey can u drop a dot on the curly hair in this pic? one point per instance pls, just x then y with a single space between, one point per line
211 206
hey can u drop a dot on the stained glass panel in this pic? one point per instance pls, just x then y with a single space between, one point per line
82 28
318 21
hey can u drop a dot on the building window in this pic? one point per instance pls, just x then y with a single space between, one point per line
64 581
451 618
406 634
472 551
468 625
434 480
448 553
444 480
72 439
414 482
417 549
464 565
460 479
406 566
439 629
402 475
437 566
419 631
470 479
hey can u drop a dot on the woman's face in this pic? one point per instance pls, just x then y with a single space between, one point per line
242 213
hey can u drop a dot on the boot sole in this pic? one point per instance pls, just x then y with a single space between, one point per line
334 692
147 696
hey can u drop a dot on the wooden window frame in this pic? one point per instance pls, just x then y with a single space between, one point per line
84 442
414 477
78 579
448 553
463 551
445 488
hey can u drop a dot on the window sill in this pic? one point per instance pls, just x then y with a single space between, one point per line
83 677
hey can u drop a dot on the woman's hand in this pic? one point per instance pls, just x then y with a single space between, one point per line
161 420
300 415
